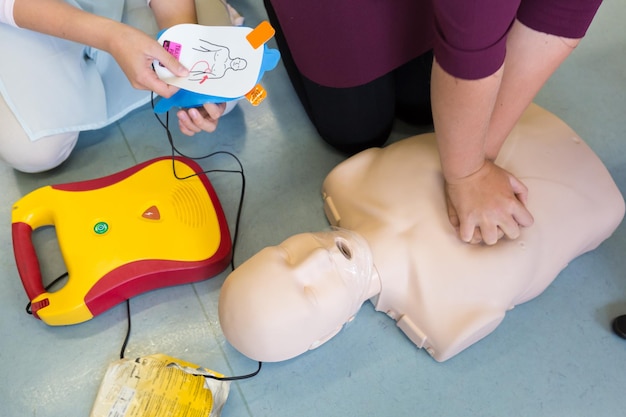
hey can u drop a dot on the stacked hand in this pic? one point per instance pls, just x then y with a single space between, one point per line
488 205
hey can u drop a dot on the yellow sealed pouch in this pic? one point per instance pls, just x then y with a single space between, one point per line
158 386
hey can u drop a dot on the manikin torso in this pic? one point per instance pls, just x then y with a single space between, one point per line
446 294
396 247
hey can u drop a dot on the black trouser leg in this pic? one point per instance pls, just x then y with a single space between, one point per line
356 118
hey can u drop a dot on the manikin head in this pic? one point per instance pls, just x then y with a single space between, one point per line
293 297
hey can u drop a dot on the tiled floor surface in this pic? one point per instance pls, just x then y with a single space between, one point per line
555 356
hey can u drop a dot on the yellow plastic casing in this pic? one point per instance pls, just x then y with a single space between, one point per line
122 235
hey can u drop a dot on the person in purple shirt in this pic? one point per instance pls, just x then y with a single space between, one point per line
468 67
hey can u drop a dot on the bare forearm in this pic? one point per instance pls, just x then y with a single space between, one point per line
133 50
59 19
460 107
532 57
462 112
169 13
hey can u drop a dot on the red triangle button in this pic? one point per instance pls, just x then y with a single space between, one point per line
152 213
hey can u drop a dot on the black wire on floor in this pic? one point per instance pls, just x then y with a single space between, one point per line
240 171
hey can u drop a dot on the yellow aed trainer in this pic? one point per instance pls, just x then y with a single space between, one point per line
121 235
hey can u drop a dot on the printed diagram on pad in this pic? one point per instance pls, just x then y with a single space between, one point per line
224 62
216 64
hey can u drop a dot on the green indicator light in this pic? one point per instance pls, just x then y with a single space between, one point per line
101 228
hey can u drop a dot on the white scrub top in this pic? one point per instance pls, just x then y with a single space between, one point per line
54 85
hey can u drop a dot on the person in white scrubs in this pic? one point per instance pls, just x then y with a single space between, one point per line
76 65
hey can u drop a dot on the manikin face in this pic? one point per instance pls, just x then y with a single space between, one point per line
293 297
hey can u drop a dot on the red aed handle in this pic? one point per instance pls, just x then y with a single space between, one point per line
26 260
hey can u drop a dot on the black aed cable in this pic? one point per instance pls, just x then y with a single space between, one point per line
239 171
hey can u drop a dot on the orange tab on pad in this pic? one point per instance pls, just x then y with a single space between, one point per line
260 34
256 95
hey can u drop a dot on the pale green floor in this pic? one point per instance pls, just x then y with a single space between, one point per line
555 356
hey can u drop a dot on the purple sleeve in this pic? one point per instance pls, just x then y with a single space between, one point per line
470 36
567 18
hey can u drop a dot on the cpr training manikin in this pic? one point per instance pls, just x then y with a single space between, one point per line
392 244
